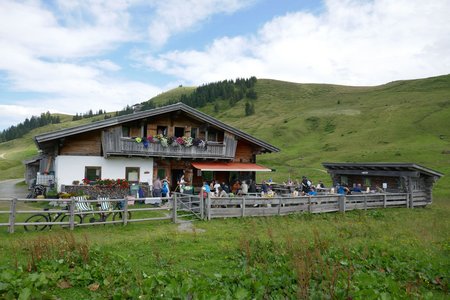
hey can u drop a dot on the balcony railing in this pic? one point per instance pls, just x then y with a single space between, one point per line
114 144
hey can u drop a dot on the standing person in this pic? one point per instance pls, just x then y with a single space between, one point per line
157 186
181 184
216 188
225 187
206 189
244 188
236 187
252 187
306 185
264 188
165 188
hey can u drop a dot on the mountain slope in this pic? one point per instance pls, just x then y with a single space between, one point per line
402 121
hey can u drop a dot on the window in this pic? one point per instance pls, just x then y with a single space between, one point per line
93 173
161 130
161 173
125 131
179 131
194 132
367 182
212 136
132 174
344 180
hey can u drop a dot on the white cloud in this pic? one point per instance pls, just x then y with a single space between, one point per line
175 16
351 42
55 55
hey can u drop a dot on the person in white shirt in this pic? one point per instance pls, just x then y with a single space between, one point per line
244 188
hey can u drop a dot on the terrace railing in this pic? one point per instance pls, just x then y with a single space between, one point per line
114 144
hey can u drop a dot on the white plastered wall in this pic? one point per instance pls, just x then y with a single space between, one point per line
70 167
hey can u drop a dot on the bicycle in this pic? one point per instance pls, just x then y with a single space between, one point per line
102 216
49 217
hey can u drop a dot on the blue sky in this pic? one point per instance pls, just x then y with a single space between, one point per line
72 56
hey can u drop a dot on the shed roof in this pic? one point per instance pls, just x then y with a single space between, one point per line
196 114
381 166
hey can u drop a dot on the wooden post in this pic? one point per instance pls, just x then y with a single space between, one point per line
365 202
125 212
279 206
342 200
71 213
208 200
12 215
202 206
243 206
409 197
309 204
384 201
174 207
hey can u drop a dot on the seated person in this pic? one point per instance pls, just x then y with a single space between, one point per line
343 190
312 191
222 193
357 188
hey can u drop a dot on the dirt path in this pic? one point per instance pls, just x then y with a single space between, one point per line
10 189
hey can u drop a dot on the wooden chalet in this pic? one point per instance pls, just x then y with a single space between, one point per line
408 178
166 141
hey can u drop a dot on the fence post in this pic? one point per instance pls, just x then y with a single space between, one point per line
71 213
309 204
208 199
174 208
202 206
365 202
12 215
243 206
411 197
342 200
125 212
384 201
279 206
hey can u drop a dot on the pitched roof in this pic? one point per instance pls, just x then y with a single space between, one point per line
46 137
381 166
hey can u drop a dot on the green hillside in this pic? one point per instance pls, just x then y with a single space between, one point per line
402 121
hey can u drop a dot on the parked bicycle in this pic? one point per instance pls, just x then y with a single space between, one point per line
47 217
108 209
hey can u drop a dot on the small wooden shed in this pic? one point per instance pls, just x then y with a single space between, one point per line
414 179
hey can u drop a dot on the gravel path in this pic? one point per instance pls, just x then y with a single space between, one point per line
9 189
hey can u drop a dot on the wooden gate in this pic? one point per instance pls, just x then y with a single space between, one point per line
189 207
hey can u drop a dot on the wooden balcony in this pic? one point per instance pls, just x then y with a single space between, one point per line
115 145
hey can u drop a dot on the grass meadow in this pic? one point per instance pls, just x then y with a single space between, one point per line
374 254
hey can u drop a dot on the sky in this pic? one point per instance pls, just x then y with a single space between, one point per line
71 56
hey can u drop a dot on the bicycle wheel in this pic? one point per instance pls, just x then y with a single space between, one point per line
92 218
36 219
118 216
66 218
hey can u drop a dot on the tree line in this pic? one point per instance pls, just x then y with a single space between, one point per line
19 130
88 114
231 90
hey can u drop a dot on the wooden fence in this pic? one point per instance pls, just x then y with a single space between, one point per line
193 206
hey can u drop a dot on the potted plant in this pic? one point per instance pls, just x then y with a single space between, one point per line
52 194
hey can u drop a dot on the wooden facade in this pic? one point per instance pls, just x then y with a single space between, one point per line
409 178
122 137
